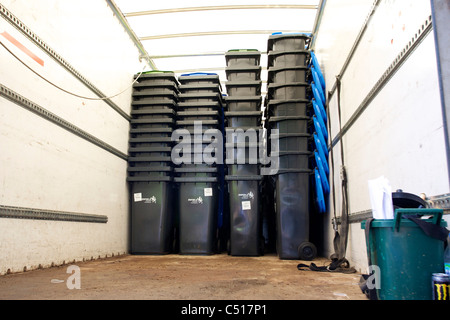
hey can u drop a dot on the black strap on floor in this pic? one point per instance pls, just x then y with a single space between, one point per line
336 265
338 261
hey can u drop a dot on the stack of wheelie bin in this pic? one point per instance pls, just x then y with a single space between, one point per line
243 118
199 177
150 169
287 110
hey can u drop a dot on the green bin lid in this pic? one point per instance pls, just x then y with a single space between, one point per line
404 222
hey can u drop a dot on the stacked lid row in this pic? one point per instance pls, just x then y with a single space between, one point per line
244 115
319 133
150 169
288 122
200 180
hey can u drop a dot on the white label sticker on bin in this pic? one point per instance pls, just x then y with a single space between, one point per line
137 197
246 205
208 192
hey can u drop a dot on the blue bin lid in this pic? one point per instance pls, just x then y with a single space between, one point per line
319 77
319 192
315 63
291 33
323 175
320 128
321 109
317 83
198 74
327 170
320 146
317 94
320 113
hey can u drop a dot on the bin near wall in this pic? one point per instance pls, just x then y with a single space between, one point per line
288 74
284 91
290 124
292 159
243 118
290 141
198 115
243 57
288 58
200 97
167 77
244 88
197 210
161 94
200 88
202 106
252 73
279 41
243 103
292 215
153 104
288 107
246 237
199 78
167 114
405 255
152 217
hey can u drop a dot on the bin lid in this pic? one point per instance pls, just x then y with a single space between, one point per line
323 175
243 114
156 84
243 98
251 83
242 53
278 102
150 169
200 104
286 118
402 199
290 153
319 192
153 111
198 113
151 130
273 54
315 63
273 86
151 102
404 222
273 69
157 75
199 76
243 178
197 86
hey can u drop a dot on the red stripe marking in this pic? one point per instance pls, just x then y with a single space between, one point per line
22 47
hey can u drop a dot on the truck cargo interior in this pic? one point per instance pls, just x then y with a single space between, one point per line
224 150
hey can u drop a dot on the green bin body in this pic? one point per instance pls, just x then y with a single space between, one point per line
405 255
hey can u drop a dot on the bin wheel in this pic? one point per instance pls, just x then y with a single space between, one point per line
307 251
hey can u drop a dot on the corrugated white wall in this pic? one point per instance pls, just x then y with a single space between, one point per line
400 135
43 166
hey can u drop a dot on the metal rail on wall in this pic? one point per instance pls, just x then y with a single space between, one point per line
53 215
42 112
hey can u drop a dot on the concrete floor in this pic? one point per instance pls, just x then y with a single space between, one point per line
182 277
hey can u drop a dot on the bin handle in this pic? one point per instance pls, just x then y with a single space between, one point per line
436 213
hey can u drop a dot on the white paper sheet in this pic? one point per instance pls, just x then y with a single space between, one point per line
381 198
